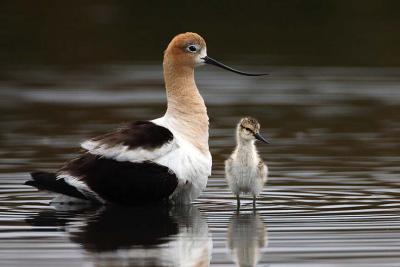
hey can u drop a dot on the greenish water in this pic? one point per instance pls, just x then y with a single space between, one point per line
332 198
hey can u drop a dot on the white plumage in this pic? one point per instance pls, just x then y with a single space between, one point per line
245 171
191 166
124 153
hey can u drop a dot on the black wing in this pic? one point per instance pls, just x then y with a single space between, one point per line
144 134
117 167
123 182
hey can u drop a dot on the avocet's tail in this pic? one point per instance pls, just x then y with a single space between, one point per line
48 181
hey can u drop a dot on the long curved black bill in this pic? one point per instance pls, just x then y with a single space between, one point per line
211 61
260 138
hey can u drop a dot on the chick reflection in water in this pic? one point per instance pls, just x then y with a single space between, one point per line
246 238
135 236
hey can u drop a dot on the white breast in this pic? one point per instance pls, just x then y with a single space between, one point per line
243 174
191 166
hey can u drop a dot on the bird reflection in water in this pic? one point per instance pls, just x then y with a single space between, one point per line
135 236
246 238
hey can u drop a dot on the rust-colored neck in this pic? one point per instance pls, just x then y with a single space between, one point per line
186 109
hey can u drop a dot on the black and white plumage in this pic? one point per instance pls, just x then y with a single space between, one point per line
135 142
148 161
118 167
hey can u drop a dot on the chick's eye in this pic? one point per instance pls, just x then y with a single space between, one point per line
192 48
247 129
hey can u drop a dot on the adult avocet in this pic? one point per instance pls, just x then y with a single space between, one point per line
148 161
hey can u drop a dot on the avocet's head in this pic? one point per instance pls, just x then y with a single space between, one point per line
249 129
186 49
189 49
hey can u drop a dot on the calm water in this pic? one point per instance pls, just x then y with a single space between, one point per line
332 198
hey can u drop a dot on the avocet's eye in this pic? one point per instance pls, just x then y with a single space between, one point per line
192 48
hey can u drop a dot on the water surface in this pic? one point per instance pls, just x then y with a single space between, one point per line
332 197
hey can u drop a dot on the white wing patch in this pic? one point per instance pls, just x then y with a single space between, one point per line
80 186
123 153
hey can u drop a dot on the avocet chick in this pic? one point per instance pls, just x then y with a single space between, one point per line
244 169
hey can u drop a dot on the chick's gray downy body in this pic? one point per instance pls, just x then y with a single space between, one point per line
245 171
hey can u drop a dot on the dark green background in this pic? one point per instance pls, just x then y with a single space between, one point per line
278 32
